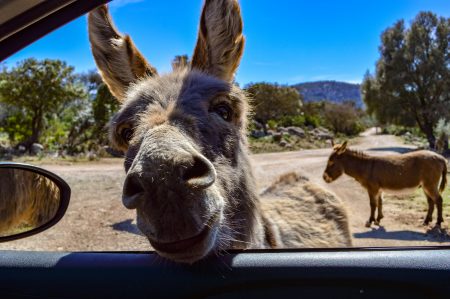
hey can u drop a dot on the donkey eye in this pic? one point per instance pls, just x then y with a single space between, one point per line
126 134
224 111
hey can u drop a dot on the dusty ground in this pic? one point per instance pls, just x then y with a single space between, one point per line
97 221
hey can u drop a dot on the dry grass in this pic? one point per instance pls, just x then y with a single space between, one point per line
268 145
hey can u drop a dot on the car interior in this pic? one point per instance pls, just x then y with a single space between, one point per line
353 272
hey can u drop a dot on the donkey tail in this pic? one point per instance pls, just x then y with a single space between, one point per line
444 178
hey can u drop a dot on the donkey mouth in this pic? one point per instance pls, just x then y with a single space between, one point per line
190 249
181 245
327 178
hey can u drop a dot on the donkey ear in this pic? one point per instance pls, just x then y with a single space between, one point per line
342 148
220 42
332 142
119 61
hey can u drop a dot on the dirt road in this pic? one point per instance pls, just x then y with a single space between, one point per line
97 221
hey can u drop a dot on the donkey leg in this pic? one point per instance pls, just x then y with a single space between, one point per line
380 209
430 211
373 207
440 219
437 199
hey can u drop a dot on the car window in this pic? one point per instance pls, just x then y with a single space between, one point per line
311 125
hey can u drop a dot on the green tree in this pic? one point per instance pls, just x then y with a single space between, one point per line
104 106
412 80
343 118
89 127
36 92
273 101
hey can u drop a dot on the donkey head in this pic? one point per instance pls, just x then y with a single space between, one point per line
183 133
335 167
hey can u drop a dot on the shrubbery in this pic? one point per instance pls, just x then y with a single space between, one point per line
44 101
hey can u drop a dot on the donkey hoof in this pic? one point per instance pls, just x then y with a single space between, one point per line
368 223
376 222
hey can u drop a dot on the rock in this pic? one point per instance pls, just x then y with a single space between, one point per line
6 157
21 149
257 134
91 156
6 152
258 125
324 136
283 143
270 132
296 131
321 134
3 149
36 148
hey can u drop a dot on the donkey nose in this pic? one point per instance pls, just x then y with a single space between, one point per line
132 191
326 177
200 175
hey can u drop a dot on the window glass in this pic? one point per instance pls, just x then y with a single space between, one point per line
327 127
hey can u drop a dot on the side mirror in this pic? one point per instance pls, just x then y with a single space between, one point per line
32 200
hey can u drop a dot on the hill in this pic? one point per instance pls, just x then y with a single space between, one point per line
330 90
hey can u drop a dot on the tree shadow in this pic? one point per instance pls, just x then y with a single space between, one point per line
434 234
127 226
397 149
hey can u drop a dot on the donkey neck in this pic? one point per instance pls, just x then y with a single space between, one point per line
244 209
357 165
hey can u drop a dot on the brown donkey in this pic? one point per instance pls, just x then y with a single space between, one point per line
184 135
391 174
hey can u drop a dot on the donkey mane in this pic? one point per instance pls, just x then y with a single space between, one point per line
357 153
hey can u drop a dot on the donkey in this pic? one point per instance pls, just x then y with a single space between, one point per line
27 200
391 174
184 138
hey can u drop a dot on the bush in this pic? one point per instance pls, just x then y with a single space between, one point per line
272 124
343 118
292 121
312 120
401 130
273 101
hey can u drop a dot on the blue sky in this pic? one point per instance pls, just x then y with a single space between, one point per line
288 41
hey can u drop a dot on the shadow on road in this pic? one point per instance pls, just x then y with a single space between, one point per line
432 235
397 149
127 226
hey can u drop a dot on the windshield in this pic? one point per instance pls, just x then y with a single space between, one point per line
281 125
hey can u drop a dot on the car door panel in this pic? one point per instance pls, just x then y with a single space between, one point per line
423 273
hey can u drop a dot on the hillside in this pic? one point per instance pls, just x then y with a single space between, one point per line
330 90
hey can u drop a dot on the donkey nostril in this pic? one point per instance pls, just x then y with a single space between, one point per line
132 191
201 174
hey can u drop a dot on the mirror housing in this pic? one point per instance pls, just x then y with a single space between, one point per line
19 180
